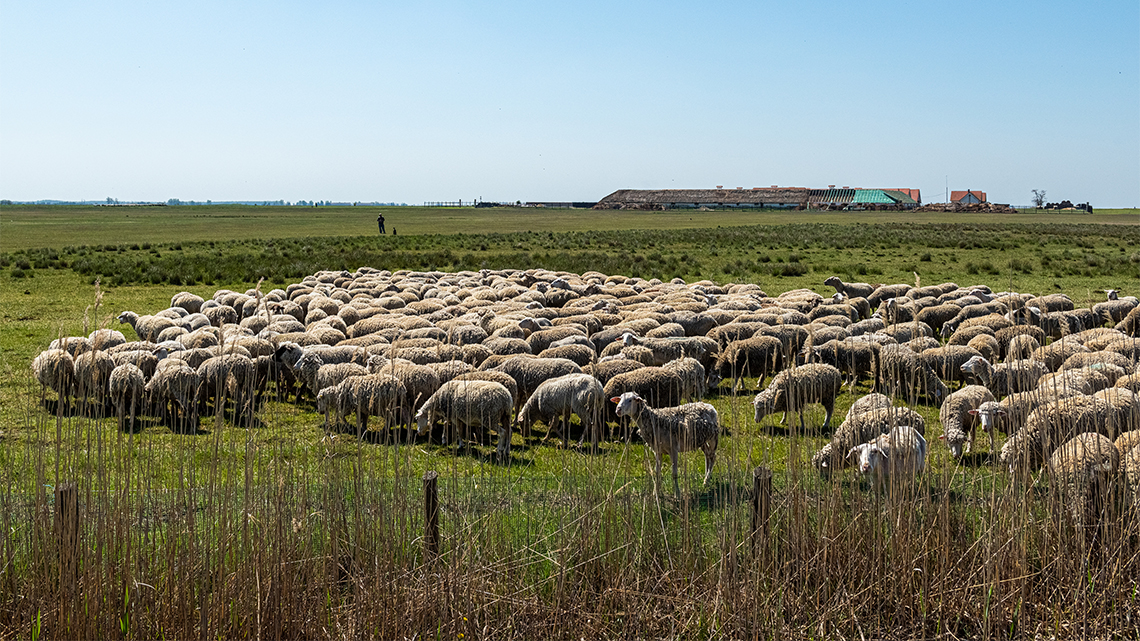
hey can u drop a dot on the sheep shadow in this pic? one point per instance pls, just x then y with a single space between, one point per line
978 459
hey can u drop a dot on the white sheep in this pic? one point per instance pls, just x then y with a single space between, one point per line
865 424
791 390
146 327
469 403
673 430
127 383
371 395
556 398
1006 378
55 369
959 417
178 385
889 456
1082 470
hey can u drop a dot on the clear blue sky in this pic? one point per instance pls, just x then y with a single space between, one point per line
417 101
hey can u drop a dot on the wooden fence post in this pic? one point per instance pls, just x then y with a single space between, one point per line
761 504
431 515
67 535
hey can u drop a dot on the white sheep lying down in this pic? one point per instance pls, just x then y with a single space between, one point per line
673 430
900 452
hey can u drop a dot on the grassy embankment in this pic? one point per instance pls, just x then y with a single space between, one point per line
285 529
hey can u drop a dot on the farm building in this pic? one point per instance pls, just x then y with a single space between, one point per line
773 197
968 197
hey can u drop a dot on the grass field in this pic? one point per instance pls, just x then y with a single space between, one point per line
286 531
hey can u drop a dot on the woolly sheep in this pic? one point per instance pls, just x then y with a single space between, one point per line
222 377
902 374
420 381
1124 410
529 373
177 385
555 399
861 427
370 395
959 417
791 390
852 290
947 361
469 403
855 359
657 385
146 327
867 403
759 356
55 369
1005 378
92 373
318 375
1082 470
891 456
693 377
1050 425
673 430
127 383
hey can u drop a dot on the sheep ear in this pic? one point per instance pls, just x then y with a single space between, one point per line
942 437
852 451
616 399
973 412
1001 412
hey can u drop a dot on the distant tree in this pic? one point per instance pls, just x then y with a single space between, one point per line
1038 198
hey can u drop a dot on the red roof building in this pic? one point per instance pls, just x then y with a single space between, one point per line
968 197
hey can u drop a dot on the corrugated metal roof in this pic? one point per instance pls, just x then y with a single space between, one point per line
872 196
899 196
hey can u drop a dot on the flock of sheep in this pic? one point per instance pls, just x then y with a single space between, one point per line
500 350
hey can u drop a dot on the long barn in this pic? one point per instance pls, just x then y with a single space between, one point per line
759 197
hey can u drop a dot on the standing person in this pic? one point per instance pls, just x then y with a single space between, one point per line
380 222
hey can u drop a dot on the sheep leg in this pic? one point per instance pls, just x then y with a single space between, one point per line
676 486
830 407
710 460
565 422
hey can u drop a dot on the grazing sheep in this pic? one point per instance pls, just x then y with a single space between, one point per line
92 373
420 381
902 374
959 417
178 385
1124 410
580 354
855 359
223 376
758 356
867 403
55 369
556 398
791 390
693 378
890 457
1082 471
469 403
657 385
530 372
861 427
1019 406
1050 425
1083 381
605 370
127 383
318 375
947 361
1130 464
673 430
105 339
192 303
1127 441
496 377
1005 378
370 395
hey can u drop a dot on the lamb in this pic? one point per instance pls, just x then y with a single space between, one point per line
863 426
793 389
901 451
55 369
902 374
959 417
673 430
556 398
1050 425
470 403
1005 378
851 290
127 383
178 385
1082 471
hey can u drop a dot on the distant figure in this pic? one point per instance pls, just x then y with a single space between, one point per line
393 231
380 222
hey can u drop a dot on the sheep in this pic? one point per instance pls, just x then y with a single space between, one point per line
470 403
1130 325
105 339
1114 309
693 378
901 451
1082 381
1091 359
657 385
1124 410
855 359
673 430
959 417
55 368
146 327
1130 464
964 336
901 373
580 354
369 395
318 375
758 356
1050 425
605 370
1013 347
127 383
497 377
177 385
190 302
867 403
851 290
92 373
1005 378
863 426
793 389
947 361
1082 470
555 399
227 375
529 373
420 381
